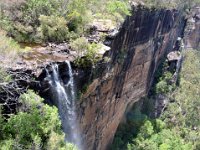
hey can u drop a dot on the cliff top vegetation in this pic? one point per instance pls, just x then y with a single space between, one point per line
57 21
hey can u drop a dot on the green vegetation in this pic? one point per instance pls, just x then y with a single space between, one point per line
155 135
115 10
186 4
8 47
80 45
4 77
53 28
183 114
23 21
52 20
35 126
163 79
178 126
162 4
87 52
9 51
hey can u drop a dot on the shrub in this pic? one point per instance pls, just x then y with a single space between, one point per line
171 3
34 8
23 21
53 28
162 87
9 49
80 45
163 80
87 53
92 52
119 9
78 15
4 77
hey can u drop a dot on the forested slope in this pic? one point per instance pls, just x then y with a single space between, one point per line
178 127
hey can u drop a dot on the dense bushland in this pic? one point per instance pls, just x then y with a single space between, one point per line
178 126
52 20
35 126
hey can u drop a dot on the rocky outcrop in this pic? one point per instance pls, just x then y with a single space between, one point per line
192 29
144 39
38 57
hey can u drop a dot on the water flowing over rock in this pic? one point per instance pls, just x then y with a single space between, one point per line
63 96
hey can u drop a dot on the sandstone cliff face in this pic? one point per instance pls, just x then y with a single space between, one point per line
143 40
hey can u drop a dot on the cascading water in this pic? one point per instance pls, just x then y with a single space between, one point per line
64 97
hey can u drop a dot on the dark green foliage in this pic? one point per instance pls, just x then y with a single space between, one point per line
34 8
155 135
53 28
179 125
121 56
1 125
78 14
163 80
127 132
37 21
35 126
24 26
83 90
184 112
164 85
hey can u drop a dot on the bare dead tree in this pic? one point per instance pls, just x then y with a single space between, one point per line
11 91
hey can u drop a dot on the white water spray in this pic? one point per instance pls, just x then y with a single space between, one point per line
65 101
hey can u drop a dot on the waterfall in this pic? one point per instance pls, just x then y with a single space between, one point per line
64 96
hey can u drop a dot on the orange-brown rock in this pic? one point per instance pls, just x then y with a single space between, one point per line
144 39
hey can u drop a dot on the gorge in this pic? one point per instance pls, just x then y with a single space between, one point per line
144 40
90 117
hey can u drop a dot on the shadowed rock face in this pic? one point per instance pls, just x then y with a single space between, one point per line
145 38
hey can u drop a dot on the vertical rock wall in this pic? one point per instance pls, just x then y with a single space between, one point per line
143 40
